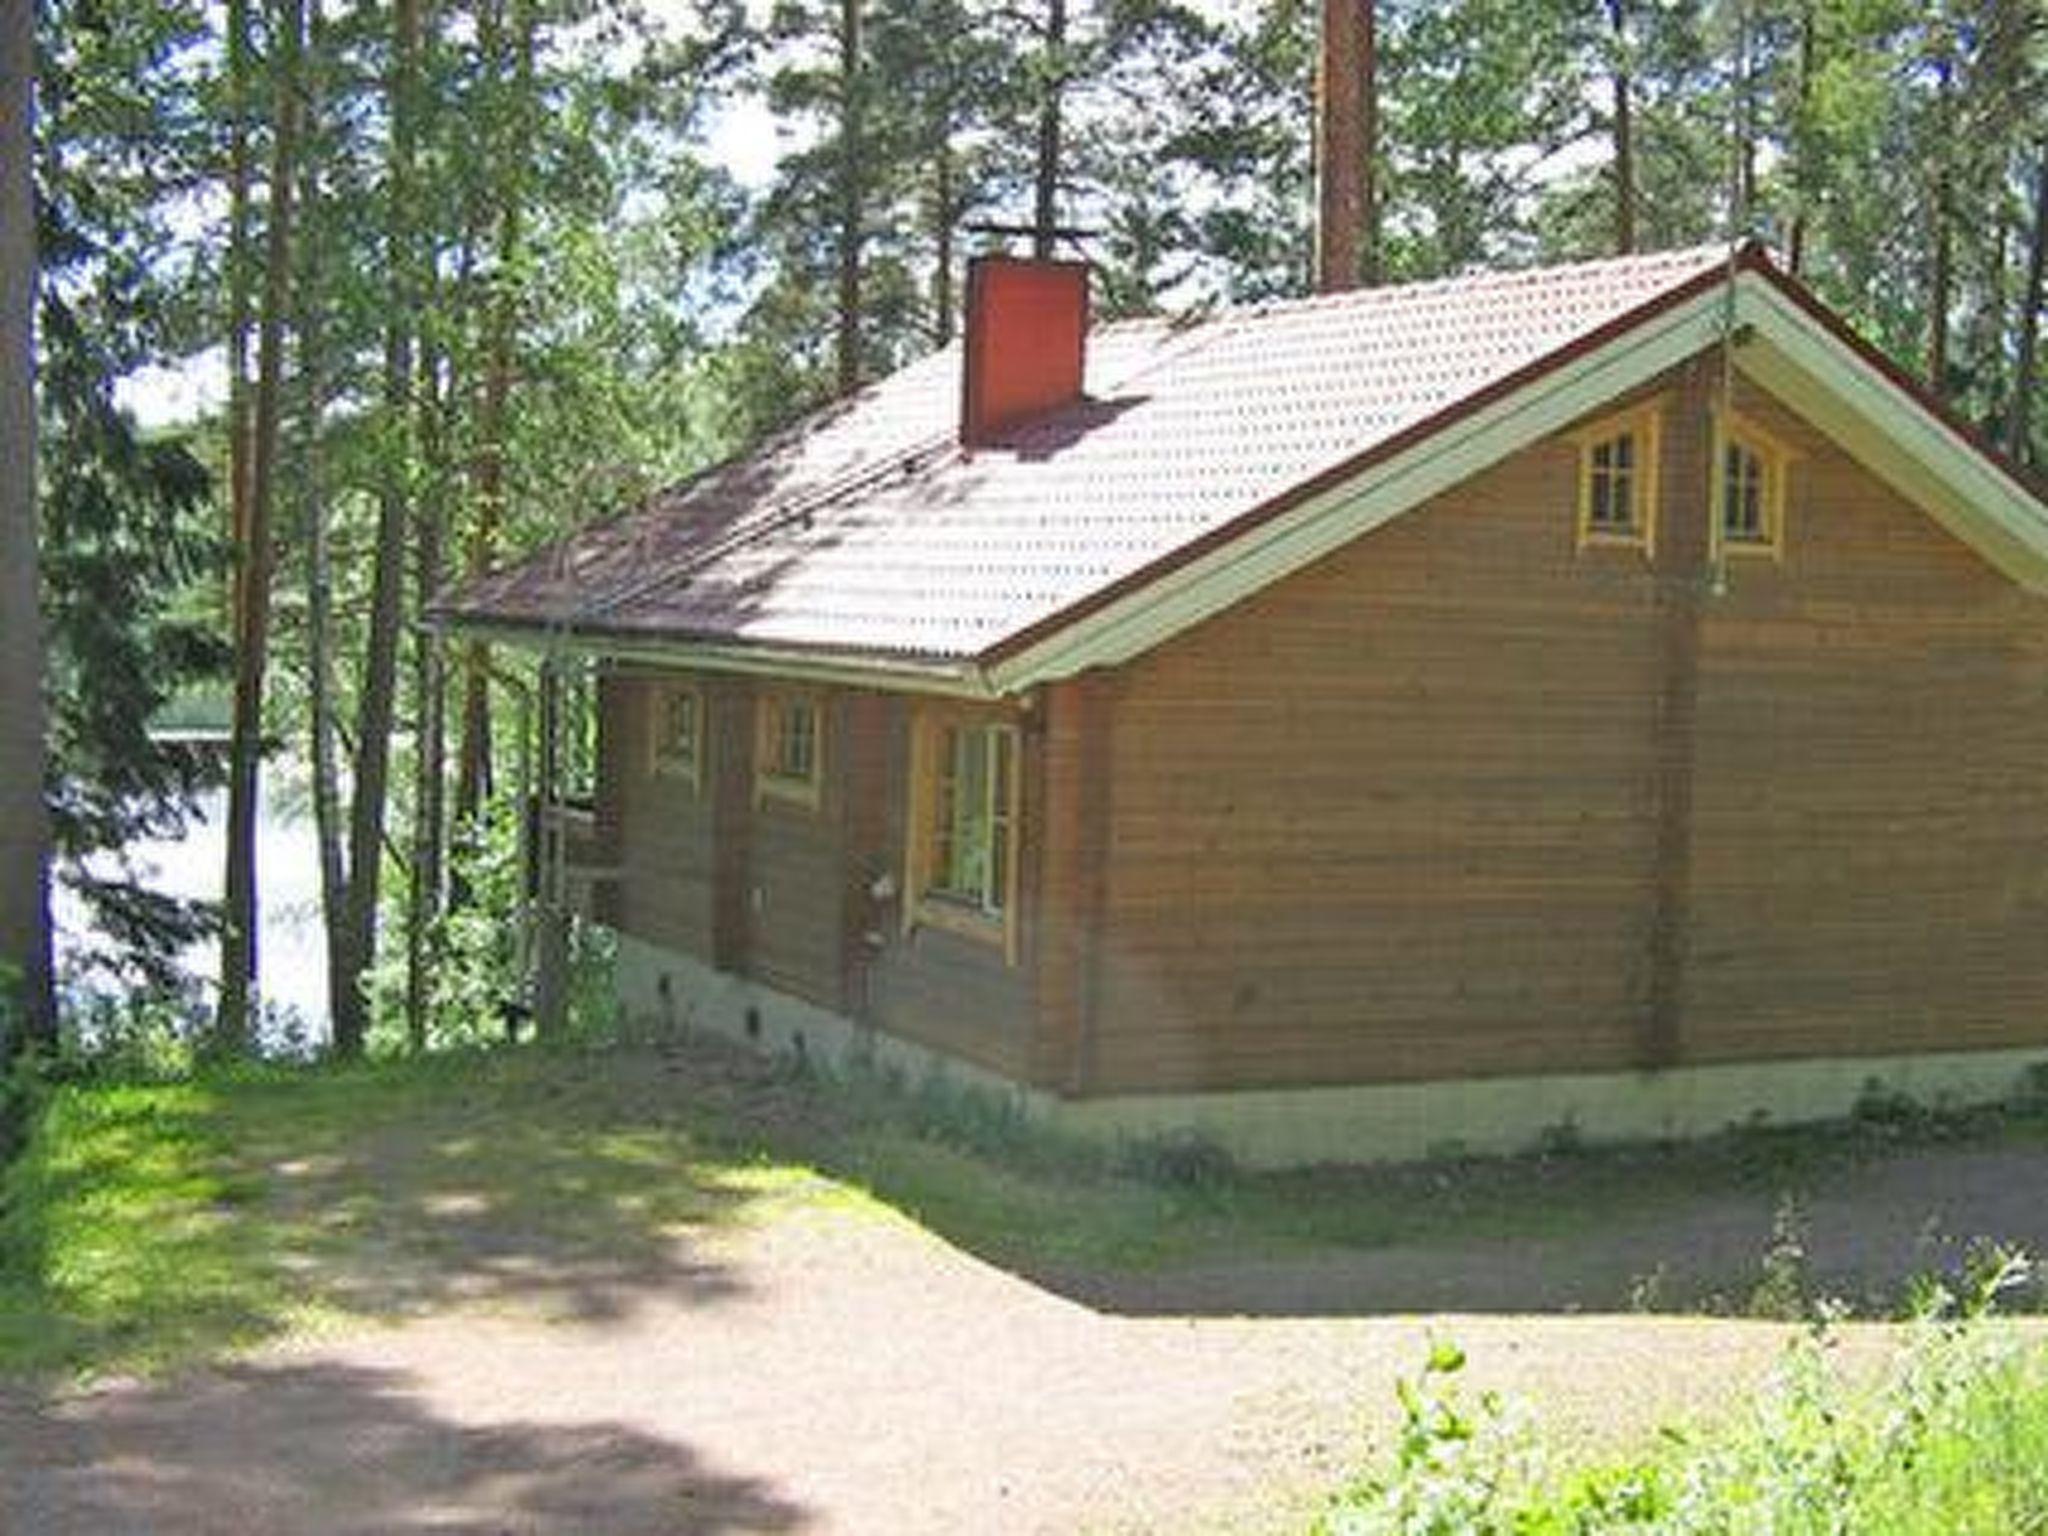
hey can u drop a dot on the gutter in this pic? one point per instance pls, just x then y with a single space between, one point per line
962 679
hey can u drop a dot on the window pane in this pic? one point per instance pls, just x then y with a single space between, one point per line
973 777
965 871
793 724
1002 745
1742 494
803 740
1611 484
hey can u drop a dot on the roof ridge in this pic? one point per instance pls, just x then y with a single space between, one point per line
1697 257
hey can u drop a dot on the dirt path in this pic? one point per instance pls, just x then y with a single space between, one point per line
857 1376
821 1365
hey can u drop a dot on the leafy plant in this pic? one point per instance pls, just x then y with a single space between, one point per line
1954 1438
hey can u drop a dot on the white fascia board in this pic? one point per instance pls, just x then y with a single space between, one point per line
961 680
1304 534
1885 429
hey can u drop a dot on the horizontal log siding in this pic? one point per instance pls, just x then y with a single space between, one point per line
798 881
951 991
795 871
1393 818
1396 818
1871 821
658 828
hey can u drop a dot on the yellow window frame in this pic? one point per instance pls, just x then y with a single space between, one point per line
1646 423
663 759
774 713
925 902
1774 459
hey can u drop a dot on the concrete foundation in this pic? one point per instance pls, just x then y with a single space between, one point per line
666 992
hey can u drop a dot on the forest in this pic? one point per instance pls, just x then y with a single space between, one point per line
458 275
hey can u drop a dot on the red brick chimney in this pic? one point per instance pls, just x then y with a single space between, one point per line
1026 342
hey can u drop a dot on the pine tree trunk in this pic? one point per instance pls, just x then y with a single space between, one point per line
241 241
1743 203
1941 233
236 957
1803 136
1369 148
27 1009
1341 150
850 200
473 773
376 705
1940 288
1624 134
315 519
426 893
1046 177
943 197
239 961
2019 417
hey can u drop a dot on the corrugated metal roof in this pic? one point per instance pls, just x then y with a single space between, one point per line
867 529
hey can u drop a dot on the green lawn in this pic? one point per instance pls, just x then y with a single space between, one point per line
153 1225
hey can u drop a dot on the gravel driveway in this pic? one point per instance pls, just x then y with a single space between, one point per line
825 1365
855 1375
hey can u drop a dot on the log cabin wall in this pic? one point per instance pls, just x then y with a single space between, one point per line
1870 840
784 892
658 830
957 993
1394 817
1465 799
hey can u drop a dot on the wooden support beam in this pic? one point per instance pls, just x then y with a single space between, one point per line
1684 554
728 735
551 907
1074 804
862 730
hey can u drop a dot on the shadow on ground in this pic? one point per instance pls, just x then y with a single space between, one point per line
1868 1238
167 1224
1764 1222
324 1448
581 1186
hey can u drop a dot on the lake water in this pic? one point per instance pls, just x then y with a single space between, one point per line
291 950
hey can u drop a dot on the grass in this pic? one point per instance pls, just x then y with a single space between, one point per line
150 1225
1952 1439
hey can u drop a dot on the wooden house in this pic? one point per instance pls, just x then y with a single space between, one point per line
1608 696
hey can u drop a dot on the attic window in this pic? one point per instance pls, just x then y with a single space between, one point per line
1618 480
788 749
678 732
964 811
1749 491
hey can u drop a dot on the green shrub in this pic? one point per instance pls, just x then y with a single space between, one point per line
21 1098
1185 1160
1953 1440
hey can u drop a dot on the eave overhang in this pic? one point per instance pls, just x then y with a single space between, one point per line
947 677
